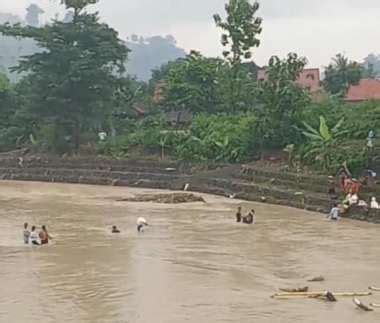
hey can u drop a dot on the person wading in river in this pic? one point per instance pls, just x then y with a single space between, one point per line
238 215
141 223
44 235
26 233
250 217
334 213
115 229
34 238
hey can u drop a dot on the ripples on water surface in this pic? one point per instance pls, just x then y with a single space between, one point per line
194 264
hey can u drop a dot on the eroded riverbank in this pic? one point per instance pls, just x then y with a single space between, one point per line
252 183
193 265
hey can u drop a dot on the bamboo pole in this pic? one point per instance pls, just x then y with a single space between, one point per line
318 294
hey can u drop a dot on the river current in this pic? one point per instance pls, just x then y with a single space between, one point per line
193 264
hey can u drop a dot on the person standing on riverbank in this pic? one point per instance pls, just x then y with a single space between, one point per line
26 233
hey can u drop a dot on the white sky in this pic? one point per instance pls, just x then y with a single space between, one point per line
317 29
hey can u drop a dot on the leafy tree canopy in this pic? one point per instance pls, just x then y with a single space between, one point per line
240 30
281 100
77 71
192 84
342 73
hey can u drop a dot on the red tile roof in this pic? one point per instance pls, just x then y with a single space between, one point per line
309 78
367 89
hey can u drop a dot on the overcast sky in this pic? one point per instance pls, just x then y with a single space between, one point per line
317 29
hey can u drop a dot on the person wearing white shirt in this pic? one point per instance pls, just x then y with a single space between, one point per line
374 203
334 213
141 223
34 237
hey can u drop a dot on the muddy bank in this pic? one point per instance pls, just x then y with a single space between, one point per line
252 184
173 198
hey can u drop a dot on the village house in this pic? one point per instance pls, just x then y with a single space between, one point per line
309 79
365 90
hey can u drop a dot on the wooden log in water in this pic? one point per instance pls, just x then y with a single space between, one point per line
317 279
377 289
318 294
362 306
374 305
295 290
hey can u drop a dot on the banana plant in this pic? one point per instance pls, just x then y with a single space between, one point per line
323 142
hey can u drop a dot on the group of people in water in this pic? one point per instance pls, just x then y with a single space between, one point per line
36 238
249 218
141 223
42 237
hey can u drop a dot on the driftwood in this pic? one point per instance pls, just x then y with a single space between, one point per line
330 297
172 198
295 290
377 289
319 294
374 305
360 305
317 279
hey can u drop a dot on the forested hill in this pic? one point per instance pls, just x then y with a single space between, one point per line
147 53
150 53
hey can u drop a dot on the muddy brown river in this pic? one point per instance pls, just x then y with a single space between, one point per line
194 264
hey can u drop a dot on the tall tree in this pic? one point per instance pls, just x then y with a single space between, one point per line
341 74
281 100
240 31
75 76
192 84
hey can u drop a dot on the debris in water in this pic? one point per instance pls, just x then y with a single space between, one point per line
377 289
295 290
330 297
318 294
173 198
317 279
362 306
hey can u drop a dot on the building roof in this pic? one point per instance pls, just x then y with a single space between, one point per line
309 78
367 89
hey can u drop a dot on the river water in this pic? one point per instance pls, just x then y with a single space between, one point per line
194 264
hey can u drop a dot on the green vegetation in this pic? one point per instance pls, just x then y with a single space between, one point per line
342 73
74 86
240 31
